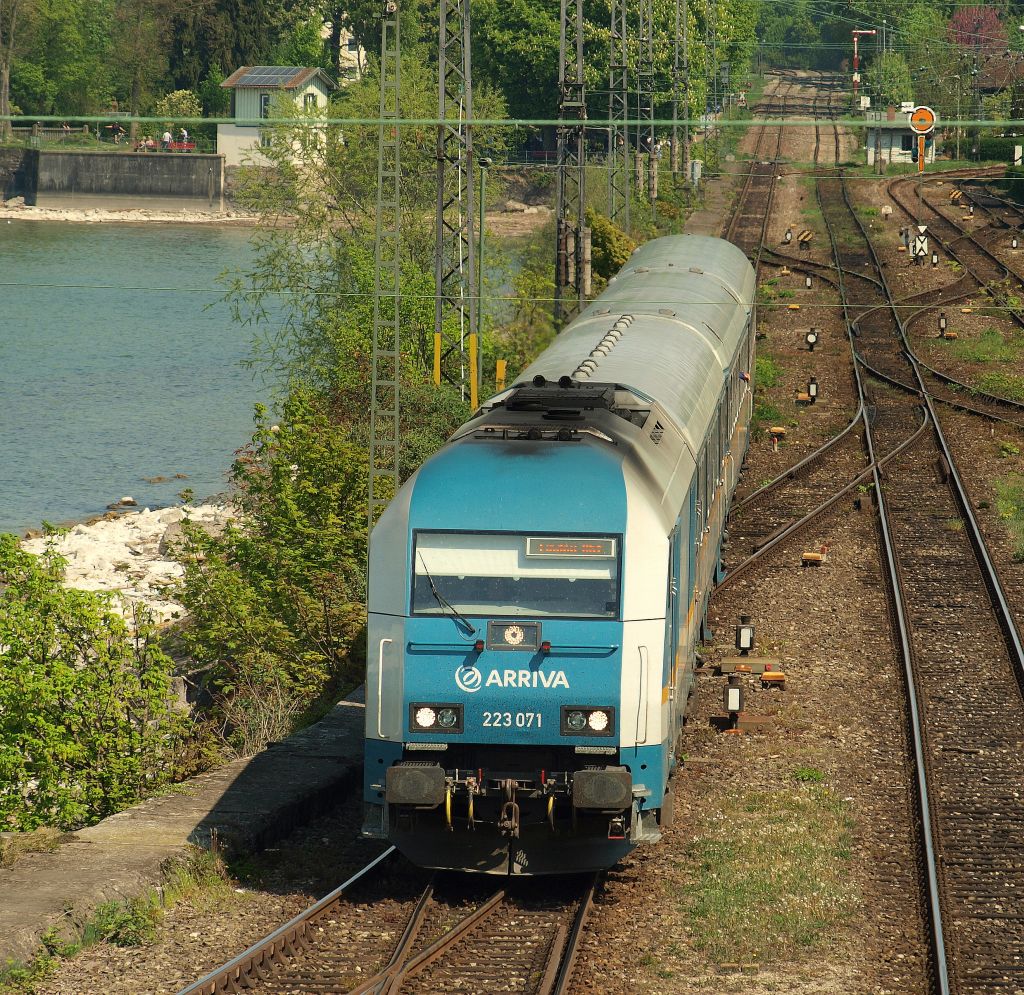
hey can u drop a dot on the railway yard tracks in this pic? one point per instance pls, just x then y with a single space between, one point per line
950 613
458 934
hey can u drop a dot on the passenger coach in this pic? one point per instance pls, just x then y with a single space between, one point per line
537 587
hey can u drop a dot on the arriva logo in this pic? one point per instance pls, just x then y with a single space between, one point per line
470 680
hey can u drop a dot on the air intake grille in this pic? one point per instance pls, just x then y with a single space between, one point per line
657 432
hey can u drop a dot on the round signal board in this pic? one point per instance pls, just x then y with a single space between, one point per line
922 120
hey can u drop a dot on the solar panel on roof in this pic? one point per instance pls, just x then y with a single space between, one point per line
269 75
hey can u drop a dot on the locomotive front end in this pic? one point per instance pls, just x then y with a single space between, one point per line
496 713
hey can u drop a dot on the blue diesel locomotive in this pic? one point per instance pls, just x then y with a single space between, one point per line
537 587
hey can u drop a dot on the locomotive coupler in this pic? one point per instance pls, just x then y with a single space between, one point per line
508 822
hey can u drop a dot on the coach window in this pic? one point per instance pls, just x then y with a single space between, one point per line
702 495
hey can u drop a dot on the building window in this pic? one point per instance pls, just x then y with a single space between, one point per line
309 102
353 45
264 105
907 143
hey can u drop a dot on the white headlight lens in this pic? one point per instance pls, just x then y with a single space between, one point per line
576 720
447 718
425 717
598 721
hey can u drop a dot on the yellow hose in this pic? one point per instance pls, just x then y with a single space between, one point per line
448 808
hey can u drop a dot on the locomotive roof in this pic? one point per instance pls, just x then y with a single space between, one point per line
667 326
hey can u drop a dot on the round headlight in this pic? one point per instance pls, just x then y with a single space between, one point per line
448 718
425 717
576 721
598 721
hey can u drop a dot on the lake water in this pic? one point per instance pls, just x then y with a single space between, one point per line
117 362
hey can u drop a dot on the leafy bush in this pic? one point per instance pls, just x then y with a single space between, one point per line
766 373
179 104
610 247
276 602
87 724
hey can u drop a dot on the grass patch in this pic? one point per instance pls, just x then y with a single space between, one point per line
990 347
13 846
199 878
1002 385
771 873
1010 507
767 373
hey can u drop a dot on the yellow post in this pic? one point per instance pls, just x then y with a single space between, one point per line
499 375
474 384
437 359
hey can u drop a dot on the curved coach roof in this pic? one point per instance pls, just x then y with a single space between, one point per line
680 305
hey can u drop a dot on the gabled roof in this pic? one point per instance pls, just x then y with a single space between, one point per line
278 77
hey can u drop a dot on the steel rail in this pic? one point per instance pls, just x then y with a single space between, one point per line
788 531
393 982
932 893
404 946
948 244
255 961
568 960
989 574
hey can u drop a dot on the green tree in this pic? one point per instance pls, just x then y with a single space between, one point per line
87 724
12 14
142 30
888 76
179 104
309 295
275 603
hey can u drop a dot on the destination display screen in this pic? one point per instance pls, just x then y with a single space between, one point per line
565 547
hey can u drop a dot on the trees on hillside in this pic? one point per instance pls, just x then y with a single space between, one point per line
12 13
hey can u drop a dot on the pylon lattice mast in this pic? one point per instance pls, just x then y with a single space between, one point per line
645 91
385 374
455 260
681 89
618 115
572 254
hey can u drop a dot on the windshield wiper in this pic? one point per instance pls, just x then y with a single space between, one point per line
446 605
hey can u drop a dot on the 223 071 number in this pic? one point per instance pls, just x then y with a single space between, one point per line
508 720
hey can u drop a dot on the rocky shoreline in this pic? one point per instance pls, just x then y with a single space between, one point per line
17 210
129 554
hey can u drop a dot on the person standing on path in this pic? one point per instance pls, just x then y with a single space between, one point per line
165 140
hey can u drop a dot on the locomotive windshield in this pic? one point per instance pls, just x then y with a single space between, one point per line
500 573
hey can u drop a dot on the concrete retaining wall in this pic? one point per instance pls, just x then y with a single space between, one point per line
187 175
18 171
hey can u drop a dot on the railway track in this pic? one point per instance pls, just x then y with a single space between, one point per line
746 227
458 934
803 492
964 666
